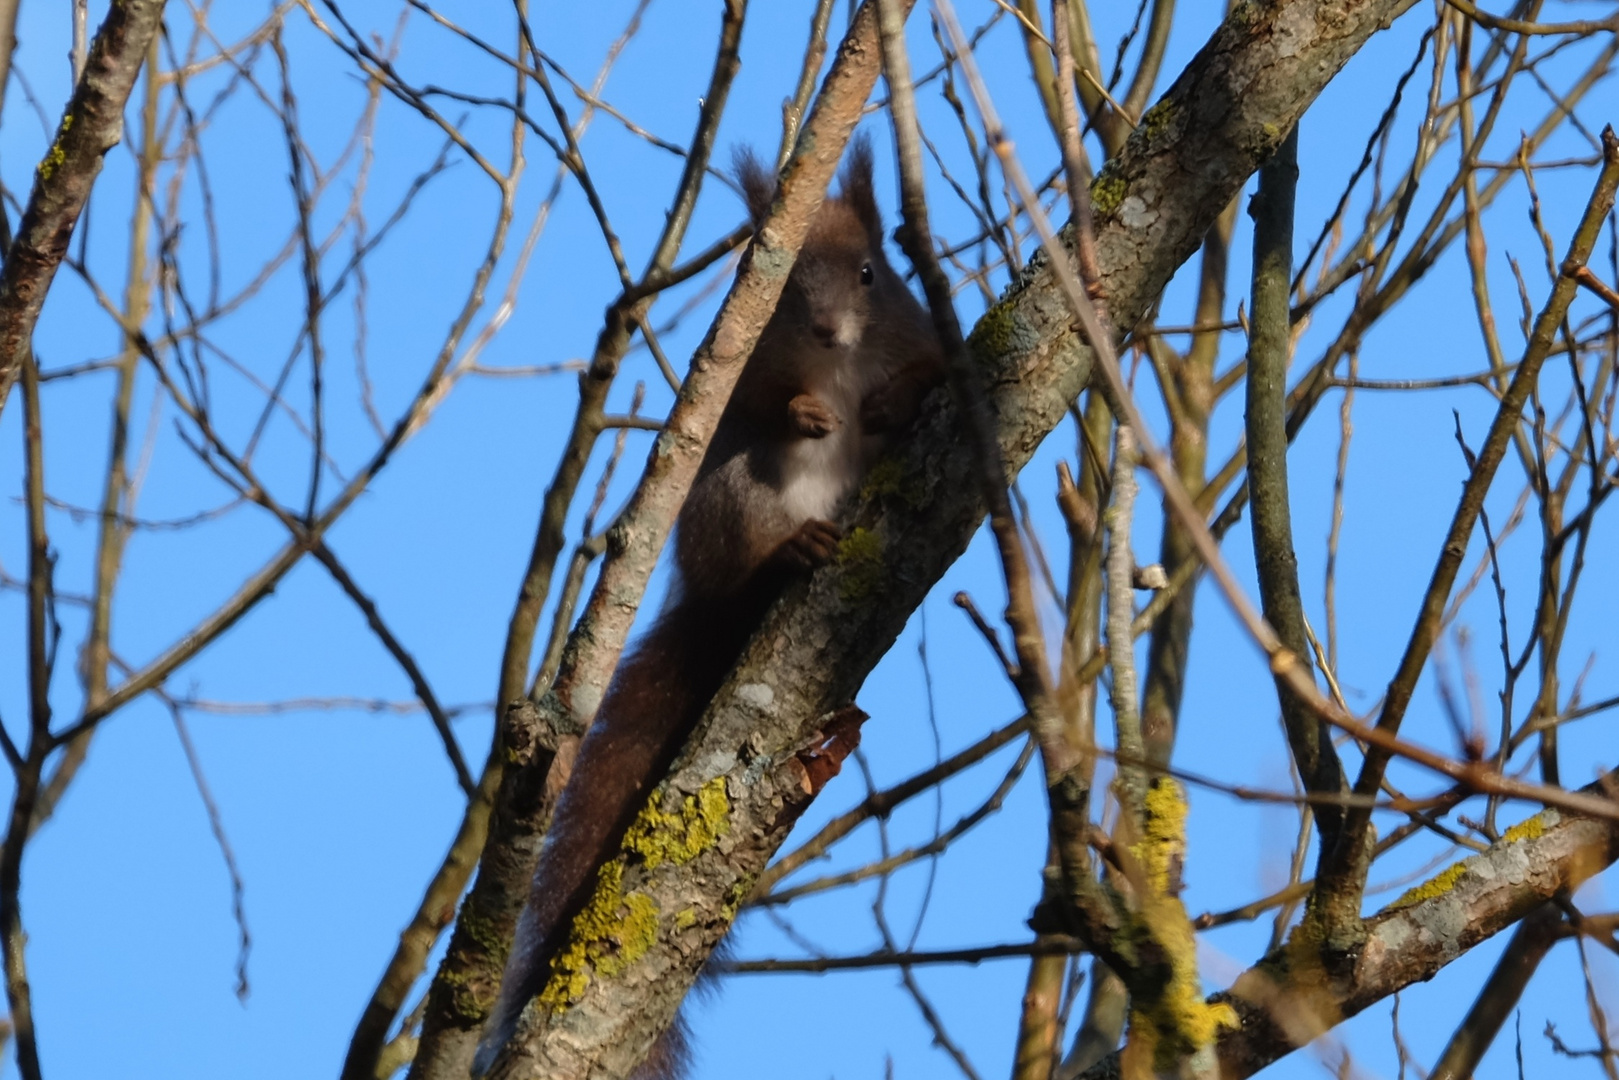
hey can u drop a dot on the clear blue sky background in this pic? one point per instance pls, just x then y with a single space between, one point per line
338 818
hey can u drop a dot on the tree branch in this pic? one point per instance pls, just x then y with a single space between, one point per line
758 756
1286 1000
1309 738
468 979
92 125
1535 936
1342 875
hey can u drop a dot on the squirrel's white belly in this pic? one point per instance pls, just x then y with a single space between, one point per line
819 474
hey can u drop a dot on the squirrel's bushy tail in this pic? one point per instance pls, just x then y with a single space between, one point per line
657 695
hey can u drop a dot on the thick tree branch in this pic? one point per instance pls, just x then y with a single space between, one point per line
1288 998
759 757
637 538
516 811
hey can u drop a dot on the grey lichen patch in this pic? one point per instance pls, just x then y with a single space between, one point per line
583 704
1136 214
770 260
1392 936
1444 923
757 696
717 763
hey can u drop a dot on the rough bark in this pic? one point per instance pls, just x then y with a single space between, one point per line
761 754
468 980
635 541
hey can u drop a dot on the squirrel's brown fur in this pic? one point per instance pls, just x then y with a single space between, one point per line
840 368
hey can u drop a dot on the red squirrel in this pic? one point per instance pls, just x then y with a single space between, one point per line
839 369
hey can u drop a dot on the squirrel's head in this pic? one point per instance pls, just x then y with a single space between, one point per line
841 281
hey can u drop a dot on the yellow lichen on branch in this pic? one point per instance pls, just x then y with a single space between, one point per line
611 933
616 928
887 480
860 554
1107 191
1173 1023
1531 828
1159 118
679 837
1162 848
56 156
1438 885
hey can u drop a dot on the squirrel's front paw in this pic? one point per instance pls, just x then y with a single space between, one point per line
813 545
811 417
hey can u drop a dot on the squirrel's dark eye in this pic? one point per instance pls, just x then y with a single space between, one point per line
865 274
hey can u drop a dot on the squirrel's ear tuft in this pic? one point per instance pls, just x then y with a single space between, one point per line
856 187
758 183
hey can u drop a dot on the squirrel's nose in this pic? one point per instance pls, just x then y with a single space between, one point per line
825 329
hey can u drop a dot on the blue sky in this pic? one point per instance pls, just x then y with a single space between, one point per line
338 817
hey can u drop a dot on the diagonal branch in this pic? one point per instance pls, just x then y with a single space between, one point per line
407 663
637 538
92 125
1530 943
758 754
1285 1000
464 988
1343 871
